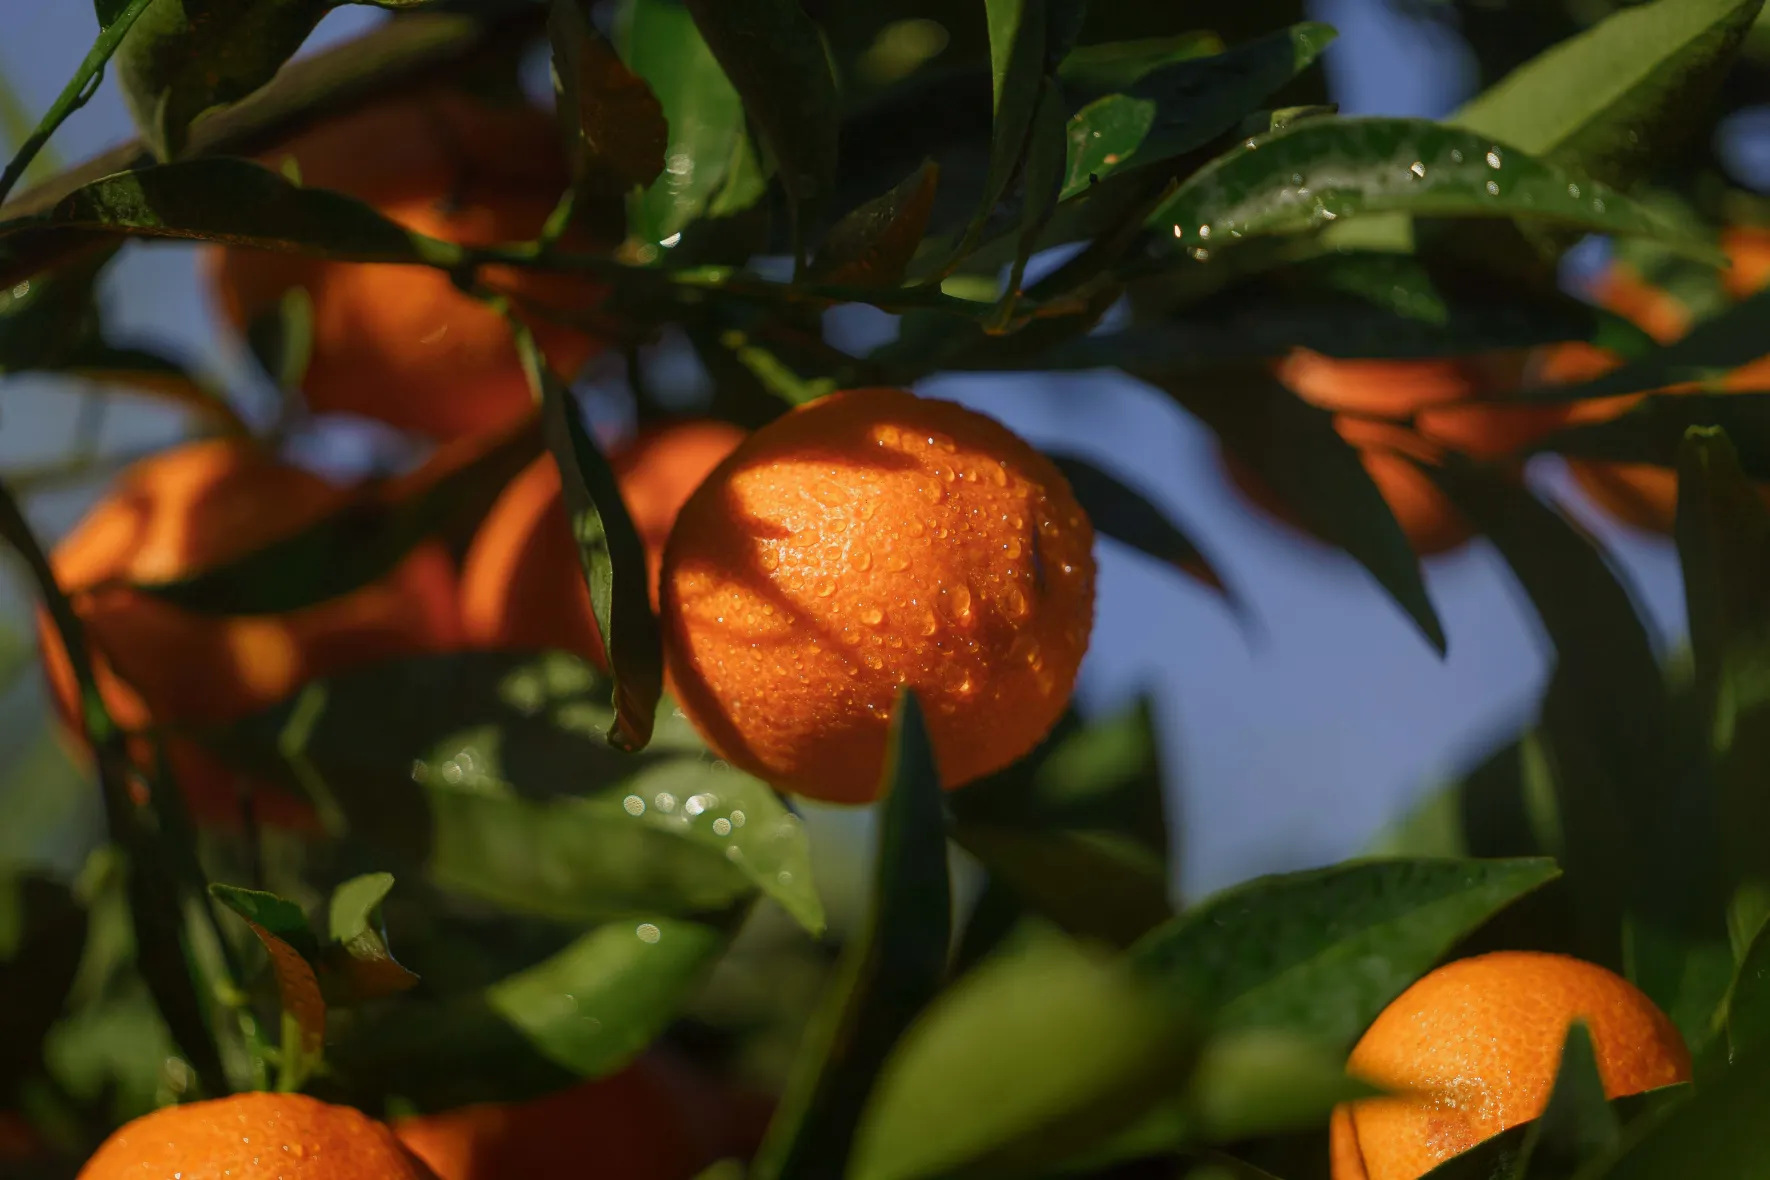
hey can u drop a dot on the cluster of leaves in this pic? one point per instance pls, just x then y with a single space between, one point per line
561 904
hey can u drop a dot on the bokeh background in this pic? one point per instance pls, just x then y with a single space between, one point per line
1290 736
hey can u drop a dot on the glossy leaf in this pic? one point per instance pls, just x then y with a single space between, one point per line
774 56
872 246
887 974
1102 136
1293 447
235 201
185 57
1092 71
1035 1056
366 538
1078 829
609 551
1320 953
289 941
1314 172
661 44
526 806
1617 97
1127 516
619 124
357 965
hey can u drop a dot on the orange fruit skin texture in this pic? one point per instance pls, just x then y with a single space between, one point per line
521 584
189 508
1641 494
864 542
651 1121
402 343
255 1136
1478 1043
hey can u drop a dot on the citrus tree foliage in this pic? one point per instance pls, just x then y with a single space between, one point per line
567 876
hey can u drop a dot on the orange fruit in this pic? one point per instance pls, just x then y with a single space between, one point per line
652 1121
865 542
1748 248
521 583
402 343
254 1136
1477 1043
188 509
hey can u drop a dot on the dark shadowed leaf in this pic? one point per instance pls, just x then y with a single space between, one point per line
774 56
1039 1054
620 126
1319 170
356 965
289 941
1041 183
1294 449
609 551
1078 828
1653 430
1748 1001
42 939
1320 953
1092 71
872 246
1620 95
365 539
1127 516
887 975
1577 1124
184 57
1719 1131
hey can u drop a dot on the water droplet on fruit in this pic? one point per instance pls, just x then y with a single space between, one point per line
825 589
863 560
1015 600
872 616
873 660
959 597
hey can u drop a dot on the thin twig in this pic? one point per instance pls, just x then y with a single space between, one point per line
74 95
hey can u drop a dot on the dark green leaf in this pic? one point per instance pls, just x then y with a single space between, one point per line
887 975
1614 99
144 371
45 318
1320 953
1320 170
873 245
185 57
1293 447
357 965
42 938
223 199
1078 828
281 339
1093 71
619 123
1577 1124
1041 182
1104 136
365 539
1748 1001
289 941
1127 516
525 805
1720 1132
1037 1055
661 45
774 56
1653 430
609 551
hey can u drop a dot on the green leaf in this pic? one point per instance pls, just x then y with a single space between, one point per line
1748 1000
357 965
43 930
1619 96
1128 517
149 373
1321 953
1103 136
1093 71
609 550
1577 1124
1078 828
1294 449
660 43
289 941
618 124
364 540
1319 170
1719 1131
45 318
281 339
525 805
223 199
774 56
183 58
872 246
1037 1055
1041 182
886 976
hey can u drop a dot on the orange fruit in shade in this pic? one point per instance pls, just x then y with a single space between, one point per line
1748 248
521 584
402 343
866 542
655 1120
1476 1045
159 665
254 1136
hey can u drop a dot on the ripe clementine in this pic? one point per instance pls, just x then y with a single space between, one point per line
1478 1042
255 1136
521 583
655 1120
190 508
402 343
867 541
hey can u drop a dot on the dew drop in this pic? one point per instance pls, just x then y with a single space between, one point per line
648 933
825 589
872 616
633 805
1573 191
999 475
1015 600
1456 155
1418 168
863 560
960 598
930 624
897 562
1012 547
1493 157
873 660
1493 188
